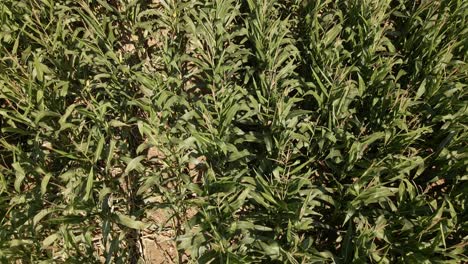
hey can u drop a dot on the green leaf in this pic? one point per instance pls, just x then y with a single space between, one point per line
117 123
49 240
45 182
100 146
89 184
133 164
130 222
20 175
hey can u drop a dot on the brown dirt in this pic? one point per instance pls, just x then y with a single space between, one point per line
159 246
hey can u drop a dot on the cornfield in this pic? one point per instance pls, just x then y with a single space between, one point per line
233 131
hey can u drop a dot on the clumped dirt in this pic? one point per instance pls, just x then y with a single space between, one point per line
159 246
